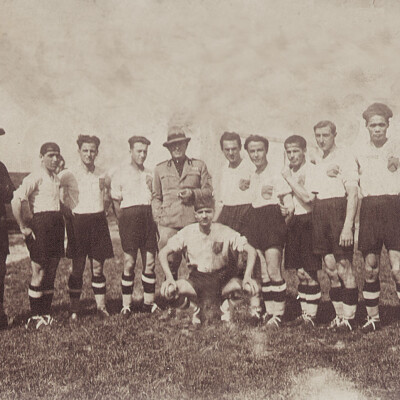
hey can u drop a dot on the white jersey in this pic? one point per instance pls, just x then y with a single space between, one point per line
132 186
303 176
328 187
231 194
267 187
376 178
83 190
208 252
42 191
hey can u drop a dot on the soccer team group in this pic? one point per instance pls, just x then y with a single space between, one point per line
305 211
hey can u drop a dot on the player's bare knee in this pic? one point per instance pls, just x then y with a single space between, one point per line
97 268
396 275
371 268
302 275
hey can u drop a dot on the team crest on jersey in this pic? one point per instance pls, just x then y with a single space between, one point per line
217 247
102 183
149 182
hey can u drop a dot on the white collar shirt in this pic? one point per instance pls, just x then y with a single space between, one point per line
132 186
208 252
231 178
268 187
328 187
83 190
42 191
373 165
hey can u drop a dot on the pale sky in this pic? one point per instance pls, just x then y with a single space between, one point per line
119 68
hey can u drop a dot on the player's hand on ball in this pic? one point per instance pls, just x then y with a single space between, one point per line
250 286
168 289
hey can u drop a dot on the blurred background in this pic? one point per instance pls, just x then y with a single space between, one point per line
119 68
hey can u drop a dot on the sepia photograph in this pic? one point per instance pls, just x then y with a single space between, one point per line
200 199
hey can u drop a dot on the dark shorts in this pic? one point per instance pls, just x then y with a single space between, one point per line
299 245
48 228
137 229
208 285
4 244
266 228
88 235
235 216
328 218
379 224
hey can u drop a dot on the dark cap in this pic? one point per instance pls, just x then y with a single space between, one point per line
378 109
204 202
138 139
2 132
49 146
175 134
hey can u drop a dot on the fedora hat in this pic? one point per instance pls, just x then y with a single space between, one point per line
175 135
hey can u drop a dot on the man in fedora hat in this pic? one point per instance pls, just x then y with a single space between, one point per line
6 194
178 182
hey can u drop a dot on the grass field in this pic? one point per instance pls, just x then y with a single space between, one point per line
146 358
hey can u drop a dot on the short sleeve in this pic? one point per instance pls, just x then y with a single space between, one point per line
349 170
28 186
177 242
116 187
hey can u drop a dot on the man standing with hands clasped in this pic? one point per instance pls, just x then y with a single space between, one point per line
178 182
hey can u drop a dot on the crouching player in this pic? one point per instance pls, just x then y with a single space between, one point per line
211 280
299 246
39 194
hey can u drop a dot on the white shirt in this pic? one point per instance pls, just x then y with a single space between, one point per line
83 190
327 187
231 194
375 177
303 176
208 252
132 186
41 189
267 187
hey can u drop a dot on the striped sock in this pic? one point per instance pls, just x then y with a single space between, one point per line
268 297
36 300
127 282
371 293
350 300
398 290
149 287
279 293
74 290
336 295
313 298
302 291
99 290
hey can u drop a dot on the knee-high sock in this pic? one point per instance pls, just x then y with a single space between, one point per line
149 287
127 282
268 297
279 293
75 290
302 291
47 298
371 293
350 300
99 290
336 295
36 300
313 298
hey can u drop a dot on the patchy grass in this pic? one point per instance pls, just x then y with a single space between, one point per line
147 358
